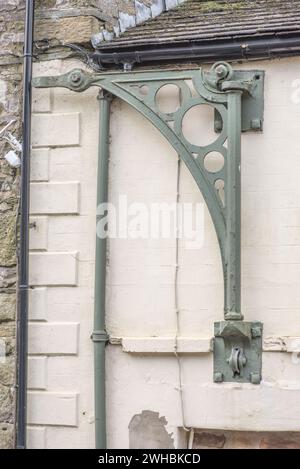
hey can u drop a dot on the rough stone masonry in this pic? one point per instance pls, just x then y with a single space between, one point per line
10 108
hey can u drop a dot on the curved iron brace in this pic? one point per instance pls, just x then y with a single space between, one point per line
217 88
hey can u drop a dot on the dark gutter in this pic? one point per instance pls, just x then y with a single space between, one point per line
250 48
23 258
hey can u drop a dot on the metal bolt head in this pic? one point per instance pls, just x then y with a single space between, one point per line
76 77
255 378
221 71
218 377
255 332
256 124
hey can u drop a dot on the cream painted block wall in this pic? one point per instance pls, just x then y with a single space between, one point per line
140 284
141 275
63 194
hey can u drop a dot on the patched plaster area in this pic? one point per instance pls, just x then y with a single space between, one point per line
147 430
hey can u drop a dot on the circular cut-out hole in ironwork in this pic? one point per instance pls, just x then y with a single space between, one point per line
168 98
214 162
144 90
198 125
220 186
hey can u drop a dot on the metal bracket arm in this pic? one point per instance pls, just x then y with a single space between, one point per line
226 90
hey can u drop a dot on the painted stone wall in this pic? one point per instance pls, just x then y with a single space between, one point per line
76 27
143 400
63 191
143 373
146 321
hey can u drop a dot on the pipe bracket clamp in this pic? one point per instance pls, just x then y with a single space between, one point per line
99 336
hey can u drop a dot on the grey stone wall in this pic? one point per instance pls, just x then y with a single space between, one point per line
10 107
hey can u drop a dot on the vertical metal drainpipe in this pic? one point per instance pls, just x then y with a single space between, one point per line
22 330
99 335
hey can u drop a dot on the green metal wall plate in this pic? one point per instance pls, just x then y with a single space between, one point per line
252 103
238 352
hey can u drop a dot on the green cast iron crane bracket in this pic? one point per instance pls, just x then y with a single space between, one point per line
237 100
